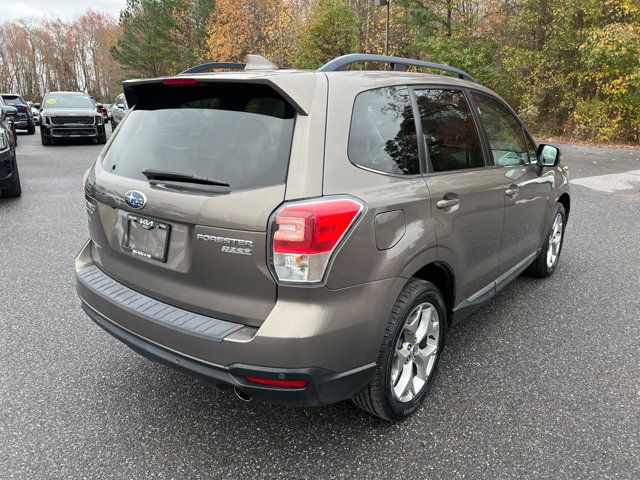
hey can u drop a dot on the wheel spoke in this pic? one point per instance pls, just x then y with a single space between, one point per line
411 327
425 321
433 331
400 358
403 382
424 361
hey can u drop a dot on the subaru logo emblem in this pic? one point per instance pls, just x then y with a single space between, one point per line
135 199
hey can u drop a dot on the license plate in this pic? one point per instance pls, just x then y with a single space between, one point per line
147 238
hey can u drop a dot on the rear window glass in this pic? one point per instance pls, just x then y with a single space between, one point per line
234 133
383 132
13 100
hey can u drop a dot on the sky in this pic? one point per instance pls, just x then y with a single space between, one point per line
64 9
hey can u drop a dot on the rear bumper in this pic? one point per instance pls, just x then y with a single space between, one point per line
21 123
324 387
331 344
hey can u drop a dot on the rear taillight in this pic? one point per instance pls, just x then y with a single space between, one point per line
306 234
22 109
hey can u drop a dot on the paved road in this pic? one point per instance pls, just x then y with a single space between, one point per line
544 382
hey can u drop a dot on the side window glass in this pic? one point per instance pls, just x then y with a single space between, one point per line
383 132
449 130
505 133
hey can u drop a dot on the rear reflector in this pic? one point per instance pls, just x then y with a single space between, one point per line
278 383
306 234
179 81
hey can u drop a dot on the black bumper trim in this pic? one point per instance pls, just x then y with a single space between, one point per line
324 386
154 310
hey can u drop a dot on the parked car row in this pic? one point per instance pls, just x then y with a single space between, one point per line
9 176
61 115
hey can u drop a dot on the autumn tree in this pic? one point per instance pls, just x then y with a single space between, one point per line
264 27
38 55
331 31
161 37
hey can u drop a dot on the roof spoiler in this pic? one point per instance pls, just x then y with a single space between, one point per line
253 62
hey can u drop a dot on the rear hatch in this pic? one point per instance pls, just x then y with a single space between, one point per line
198 243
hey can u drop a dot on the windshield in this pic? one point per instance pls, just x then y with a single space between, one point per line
236 134
12 100
60 100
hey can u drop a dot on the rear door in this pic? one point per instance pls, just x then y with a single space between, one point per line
192 243
526 192
467 198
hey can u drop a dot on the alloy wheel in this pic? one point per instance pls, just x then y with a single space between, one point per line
416 352
555 241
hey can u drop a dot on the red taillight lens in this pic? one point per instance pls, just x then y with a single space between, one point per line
278 383
22 109
179 81
313 227
307 233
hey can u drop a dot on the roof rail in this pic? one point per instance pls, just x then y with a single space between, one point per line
396 63
254 62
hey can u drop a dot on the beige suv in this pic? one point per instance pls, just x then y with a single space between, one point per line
305 237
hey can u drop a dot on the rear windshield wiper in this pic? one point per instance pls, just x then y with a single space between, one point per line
181 177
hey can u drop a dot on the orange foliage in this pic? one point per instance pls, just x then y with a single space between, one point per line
239 27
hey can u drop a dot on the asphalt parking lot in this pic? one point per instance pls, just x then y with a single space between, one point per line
543 382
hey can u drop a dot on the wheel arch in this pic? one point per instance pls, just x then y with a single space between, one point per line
442 276
565 200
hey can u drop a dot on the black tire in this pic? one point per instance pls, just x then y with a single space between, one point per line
113 125
378 397
45 141
31 129
15 189
540 267
102 139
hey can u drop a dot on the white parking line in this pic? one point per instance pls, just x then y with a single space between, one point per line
612 182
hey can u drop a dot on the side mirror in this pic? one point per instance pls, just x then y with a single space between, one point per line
120 106
99 105
8 111
37 105
549 155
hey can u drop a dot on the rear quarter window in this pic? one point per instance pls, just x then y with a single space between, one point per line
382 135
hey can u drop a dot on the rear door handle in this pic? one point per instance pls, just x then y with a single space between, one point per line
448 203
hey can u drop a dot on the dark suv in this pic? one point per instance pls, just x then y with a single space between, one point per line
70 115
307 237
9 176
23 118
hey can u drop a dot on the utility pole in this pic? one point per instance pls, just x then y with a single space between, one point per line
385 3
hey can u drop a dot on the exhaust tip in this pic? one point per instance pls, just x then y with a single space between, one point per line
244 396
